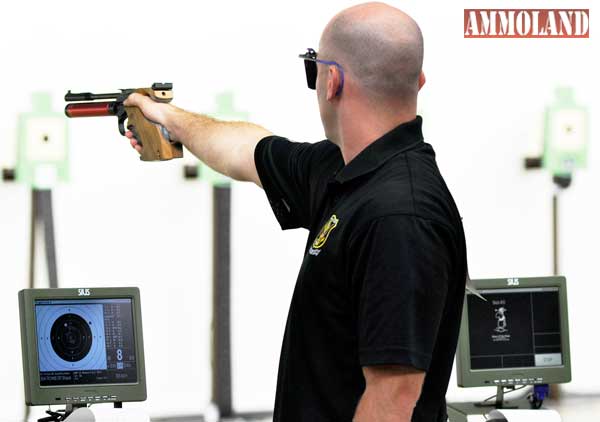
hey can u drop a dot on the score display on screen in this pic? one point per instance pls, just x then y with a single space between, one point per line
85 341
515 329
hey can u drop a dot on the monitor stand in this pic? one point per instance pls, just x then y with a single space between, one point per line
460 412
65 414
500 403
60 415
470 408
100 414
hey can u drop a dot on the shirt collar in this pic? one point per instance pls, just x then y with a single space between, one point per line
398 140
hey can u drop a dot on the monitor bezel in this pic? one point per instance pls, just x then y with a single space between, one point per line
467 377
35 394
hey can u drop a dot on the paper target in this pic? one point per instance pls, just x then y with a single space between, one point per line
71 338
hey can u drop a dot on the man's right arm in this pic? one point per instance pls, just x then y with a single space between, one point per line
226 147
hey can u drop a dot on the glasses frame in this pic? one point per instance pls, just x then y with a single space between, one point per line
310 67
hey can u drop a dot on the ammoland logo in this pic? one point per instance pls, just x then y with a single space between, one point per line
527 23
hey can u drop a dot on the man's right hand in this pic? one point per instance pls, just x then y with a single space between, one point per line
153 111
226 147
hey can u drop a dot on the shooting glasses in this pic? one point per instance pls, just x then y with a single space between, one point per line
310 66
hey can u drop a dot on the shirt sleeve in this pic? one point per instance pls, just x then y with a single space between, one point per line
287 172
401 271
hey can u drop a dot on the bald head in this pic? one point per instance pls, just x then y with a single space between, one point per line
380 46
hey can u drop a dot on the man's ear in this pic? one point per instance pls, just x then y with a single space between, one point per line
421 80
333 82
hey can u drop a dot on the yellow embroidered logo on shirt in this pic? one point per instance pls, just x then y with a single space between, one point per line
325 231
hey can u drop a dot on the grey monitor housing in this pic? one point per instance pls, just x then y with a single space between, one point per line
82 346
520 336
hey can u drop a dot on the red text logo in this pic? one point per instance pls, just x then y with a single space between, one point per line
527 23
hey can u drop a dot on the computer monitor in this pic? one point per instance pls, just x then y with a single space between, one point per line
82 346
518 336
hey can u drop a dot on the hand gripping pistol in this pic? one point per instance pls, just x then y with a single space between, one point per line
154 139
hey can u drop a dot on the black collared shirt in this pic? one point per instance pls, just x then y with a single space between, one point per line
383 276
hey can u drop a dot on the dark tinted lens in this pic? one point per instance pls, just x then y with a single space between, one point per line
311 73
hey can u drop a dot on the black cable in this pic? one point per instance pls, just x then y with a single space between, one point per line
534 401
58 416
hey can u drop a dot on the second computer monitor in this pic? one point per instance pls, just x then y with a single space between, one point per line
518 335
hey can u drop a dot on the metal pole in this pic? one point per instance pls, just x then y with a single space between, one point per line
499 397
33 229
47 217
555 388
555 233
41 213
221 326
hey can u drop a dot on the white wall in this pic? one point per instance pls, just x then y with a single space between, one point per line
123 222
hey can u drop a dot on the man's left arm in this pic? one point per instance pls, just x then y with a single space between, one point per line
390 395
400 273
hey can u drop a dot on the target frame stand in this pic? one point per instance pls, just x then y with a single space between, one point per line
42 162
221 260
566 136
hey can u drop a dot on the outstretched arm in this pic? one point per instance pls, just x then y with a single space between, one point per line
226 147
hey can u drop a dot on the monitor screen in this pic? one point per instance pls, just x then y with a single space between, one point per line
85 341
515 328
82 345
516 333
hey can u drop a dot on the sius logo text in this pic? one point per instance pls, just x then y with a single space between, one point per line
83 292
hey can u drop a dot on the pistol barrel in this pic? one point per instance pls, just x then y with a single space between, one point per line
88 96
91 109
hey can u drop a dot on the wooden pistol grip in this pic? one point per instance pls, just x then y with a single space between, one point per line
154 146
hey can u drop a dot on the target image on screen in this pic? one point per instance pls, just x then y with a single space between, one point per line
85 341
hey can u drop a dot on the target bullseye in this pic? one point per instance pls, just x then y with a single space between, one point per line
71 337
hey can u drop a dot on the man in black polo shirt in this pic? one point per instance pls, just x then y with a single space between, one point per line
373 324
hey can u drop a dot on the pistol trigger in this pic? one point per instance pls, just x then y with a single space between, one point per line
122 116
